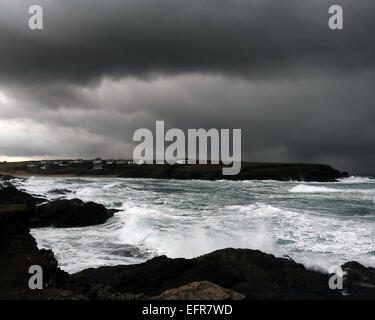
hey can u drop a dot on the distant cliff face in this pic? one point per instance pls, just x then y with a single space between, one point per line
249 171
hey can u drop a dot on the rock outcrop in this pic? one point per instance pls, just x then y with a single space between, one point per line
11 195
252 273
59 213
59 191
6 177
359 281
249 272
18 251
69 213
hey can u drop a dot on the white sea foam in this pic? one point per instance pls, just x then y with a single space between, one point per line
190 218
356 179
302 188
180 233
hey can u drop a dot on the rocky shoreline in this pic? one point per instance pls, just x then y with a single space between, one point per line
221 275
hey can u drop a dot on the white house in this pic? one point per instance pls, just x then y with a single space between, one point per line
98 166
44 164
62 164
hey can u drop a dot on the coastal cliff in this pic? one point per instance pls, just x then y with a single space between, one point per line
249 171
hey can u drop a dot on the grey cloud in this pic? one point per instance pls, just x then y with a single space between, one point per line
313 120
86 40
103 69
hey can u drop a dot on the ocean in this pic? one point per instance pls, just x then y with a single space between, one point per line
317 224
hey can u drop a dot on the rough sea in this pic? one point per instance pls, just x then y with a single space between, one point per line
316 224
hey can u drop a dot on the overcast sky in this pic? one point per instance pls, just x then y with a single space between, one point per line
102 69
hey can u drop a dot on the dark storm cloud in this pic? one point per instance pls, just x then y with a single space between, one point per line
102 69
85 40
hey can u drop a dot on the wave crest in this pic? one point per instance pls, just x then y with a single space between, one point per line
356 179
302 188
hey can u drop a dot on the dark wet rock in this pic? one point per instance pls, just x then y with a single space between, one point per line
5 181
60 191
70 213
359 281
18 251
11 195
249 272
4 184
6 177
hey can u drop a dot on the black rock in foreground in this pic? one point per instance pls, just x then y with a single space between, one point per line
18 251
69 213
250 272
360 281
254 274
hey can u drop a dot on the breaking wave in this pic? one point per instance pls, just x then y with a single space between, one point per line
356 179
301 188
317 224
